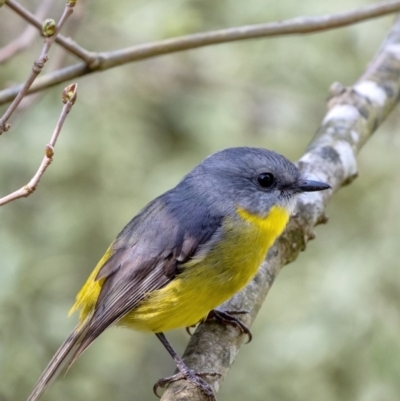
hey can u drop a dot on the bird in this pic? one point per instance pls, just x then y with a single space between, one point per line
187 252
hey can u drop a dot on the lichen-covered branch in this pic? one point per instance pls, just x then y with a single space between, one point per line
353 115
102 61
69 96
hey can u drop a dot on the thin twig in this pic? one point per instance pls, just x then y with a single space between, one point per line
300 25
37 65
353 115
69 97
26 37
66 43
57 61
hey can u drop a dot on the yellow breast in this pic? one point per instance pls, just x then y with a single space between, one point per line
206 283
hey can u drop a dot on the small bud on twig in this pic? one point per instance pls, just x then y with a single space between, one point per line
69 98
48 27
49 151
71 3
70 93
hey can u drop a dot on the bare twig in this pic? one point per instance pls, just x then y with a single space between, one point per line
57 61
27 37
67 43
353 115
300 25
50 30
69 96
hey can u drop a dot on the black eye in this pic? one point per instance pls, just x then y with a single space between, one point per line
265 180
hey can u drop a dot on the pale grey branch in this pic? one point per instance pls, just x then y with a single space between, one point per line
353 115
105 60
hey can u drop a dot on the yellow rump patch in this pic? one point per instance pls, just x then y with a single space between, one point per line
89 293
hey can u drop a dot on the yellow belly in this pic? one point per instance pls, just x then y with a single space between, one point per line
207 283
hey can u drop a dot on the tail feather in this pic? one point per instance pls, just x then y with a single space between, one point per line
63 356
85 340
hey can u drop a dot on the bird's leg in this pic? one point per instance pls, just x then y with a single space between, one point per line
188 329
184 373
226 317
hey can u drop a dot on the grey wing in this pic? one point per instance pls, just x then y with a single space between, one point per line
147 256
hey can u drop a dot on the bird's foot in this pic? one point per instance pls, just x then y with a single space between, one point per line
227 317
194 378
188 329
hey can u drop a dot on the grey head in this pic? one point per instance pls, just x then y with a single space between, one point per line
254 179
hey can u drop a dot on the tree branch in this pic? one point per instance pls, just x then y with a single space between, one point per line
69 96
27 36
353 115
300 25
50 30
57 61
66 43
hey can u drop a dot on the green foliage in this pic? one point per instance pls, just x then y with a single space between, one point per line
329 329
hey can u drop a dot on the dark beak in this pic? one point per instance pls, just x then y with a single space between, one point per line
311 186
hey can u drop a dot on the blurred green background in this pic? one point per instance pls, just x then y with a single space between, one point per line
330 328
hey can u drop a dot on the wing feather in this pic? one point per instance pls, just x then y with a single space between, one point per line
146 256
